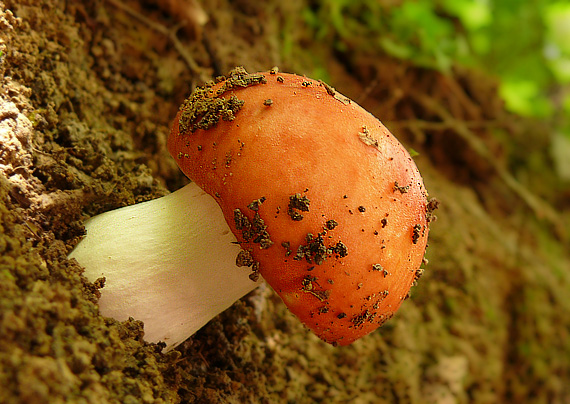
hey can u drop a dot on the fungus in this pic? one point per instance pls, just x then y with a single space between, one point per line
178 261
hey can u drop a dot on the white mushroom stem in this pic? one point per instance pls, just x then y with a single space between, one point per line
169 262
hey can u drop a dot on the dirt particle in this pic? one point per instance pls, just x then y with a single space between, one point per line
240 220
361 318
287 246
402 189
416 233
310 285
254 276
239 77
366 137
417 275
254 230
380 268
205 112
254 205
244 259
204 109
297 203
384 317
331 224
330 90
322 295
431 206
340 249
228 159
314 251
243 223
260 231
377 267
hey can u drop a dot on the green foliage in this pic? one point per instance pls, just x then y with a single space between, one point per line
524 43
420 35
411 31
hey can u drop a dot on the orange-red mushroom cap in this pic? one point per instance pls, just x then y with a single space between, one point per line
327 205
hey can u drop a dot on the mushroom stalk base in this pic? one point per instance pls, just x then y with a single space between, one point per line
169 262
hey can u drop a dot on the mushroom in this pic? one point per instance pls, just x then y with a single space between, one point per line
289 179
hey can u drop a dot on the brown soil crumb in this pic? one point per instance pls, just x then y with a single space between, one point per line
203 110
298 203
402 189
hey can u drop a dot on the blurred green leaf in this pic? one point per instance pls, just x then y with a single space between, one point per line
557 46
525 44
524 98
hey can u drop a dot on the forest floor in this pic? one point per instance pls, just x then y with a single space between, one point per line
88 93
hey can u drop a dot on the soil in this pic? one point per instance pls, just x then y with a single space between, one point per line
88 92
